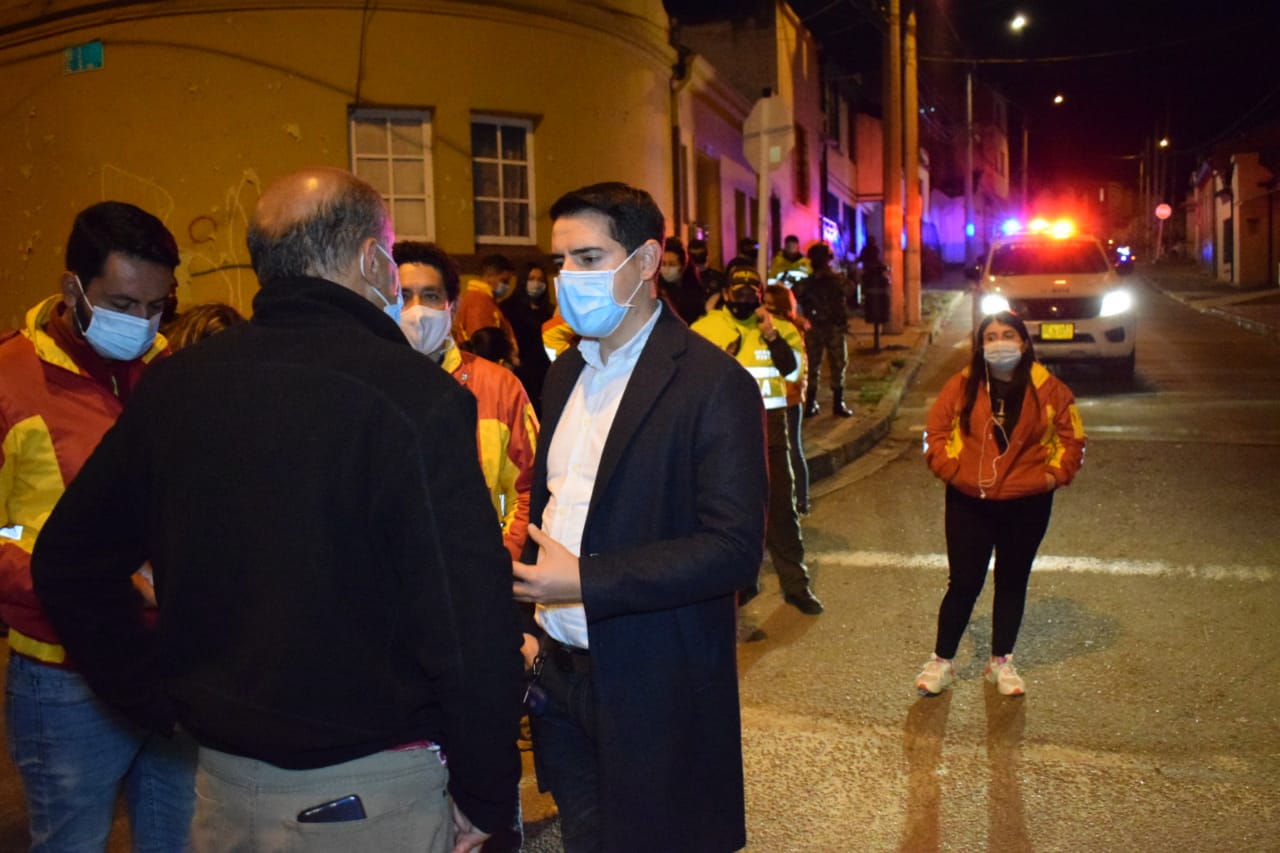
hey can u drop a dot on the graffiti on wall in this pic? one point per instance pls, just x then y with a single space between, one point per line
216 256
214 265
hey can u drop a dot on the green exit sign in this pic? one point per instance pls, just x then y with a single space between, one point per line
82 57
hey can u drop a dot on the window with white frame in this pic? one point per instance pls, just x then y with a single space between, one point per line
502 179
391 150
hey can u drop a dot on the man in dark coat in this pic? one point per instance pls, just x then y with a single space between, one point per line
332 586
648 510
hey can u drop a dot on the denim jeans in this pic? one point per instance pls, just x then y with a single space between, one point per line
74 754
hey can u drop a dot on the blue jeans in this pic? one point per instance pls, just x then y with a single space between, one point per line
74 753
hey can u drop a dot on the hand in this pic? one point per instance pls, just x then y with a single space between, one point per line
466 837
142 583
529 650
766 323
1050 481
554 579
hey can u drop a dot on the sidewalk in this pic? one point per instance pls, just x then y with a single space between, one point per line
880 379
875 382
1255 308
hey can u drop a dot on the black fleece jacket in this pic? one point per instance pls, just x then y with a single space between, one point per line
330 573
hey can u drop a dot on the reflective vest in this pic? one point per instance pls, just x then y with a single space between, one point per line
743 340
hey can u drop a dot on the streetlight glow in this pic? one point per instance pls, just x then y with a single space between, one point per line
1057 99
1019 23
1164 143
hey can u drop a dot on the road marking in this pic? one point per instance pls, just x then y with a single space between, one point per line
1052 563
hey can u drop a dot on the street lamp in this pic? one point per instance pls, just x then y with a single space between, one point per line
1019 22
1058 99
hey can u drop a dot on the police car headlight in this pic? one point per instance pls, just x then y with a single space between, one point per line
993 303
1116 302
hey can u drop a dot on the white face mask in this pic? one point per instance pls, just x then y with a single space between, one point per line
425 327
670 274
116 335
535 287
1002 356
587 303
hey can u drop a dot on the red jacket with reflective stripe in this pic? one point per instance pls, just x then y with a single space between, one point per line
52 416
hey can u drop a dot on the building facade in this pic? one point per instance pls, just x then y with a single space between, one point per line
470 117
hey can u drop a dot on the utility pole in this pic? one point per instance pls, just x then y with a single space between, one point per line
892 254
969 225
911 172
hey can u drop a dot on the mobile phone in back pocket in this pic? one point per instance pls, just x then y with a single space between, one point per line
343 809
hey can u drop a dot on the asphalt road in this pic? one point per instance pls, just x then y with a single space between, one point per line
1148 645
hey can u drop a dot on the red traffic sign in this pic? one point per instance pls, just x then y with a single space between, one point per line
1163 211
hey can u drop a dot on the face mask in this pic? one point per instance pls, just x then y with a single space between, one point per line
116 335
425 327
391 309
501 289
587 303
669 274
1002 356
742 310
535 288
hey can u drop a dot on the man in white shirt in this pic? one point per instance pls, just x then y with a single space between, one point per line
648 509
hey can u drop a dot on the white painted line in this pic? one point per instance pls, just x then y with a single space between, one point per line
1051 563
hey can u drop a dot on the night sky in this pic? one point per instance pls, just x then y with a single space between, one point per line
1130 70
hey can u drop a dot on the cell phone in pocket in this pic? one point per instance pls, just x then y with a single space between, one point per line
335 811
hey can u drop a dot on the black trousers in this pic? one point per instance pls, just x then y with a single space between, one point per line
975 527
831 342
782 530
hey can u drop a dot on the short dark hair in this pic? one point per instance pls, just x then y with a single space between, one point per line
323 243
791 238
748 246
819 254
676 247
634 217
115 226
496 263
418 252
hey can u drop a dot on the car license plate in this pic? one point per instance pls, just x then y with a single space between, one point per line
1057 331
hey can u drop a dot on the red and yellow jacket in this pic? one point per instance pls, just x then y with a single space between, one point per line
52 416
557 336
478 309
506 437
1048 439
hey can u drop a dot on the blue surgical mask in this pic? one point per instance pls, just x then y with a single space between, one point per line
116 335
1002 356
587 303
391 309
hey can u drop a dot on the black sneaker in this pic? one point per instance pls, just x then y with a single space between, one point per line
806 602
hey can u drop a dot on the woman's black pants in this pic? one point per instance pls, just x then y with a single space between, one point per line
975 527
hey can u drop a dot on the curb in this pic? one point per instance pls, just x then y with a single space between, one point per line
1246 323
835 452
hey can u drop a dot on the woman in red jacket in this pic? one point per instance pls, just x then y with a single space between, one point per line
1003 435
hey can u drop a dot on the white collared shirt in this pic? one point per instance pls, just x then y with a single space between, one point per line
573 458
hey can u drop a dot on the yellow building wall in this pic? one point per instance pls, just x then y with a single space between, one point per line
196 109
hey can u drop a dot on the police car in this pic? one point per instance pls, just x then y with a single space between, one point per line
1073 300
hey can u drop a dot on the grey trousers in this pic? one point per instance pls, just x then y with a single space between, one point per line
248 805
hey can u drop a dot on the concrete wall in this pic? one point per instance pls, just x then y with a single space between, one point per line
199 104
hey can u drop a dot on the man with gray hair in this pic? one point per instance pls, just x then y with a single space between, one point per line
335 600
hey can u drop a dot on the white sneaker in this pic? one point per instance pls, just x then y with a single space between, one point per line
936 676
1001 673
